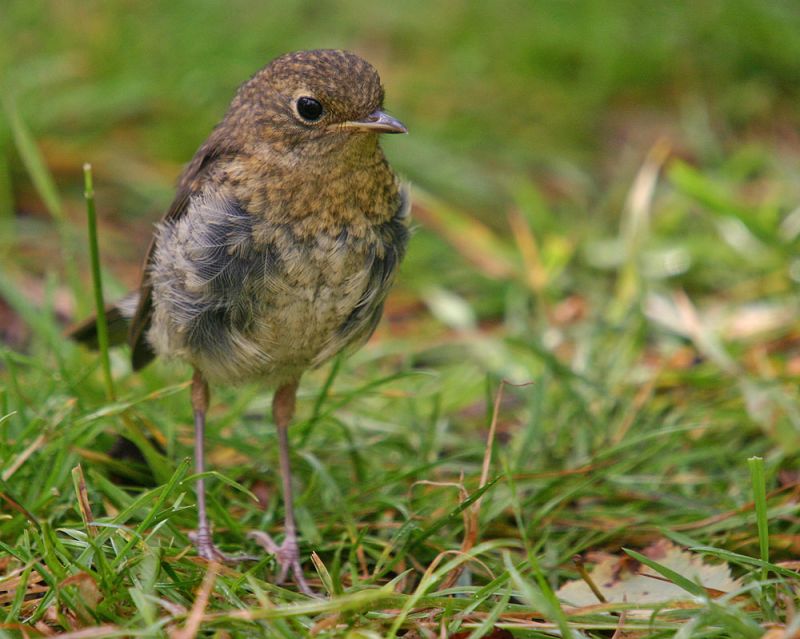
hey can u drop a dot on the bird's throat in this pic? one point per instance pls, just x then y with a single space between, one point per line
356 191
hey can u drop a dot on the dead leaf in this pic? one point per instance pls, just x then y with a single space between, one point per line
622 579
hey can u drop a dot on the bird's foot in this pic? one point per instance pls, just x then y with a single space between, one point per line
287 555
208 551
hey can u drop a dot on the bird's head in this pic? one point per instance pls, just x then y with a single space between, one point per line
314 102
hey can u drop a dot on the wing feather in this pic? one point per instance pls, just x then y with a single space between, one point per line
189 184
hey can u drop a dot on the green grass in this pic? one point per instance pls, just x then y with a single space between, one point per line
606 198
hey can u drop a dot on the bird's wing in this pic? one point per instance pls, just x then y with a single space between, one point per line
188 185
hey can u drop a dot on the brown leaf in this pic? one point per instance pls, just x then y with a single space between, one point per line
622 579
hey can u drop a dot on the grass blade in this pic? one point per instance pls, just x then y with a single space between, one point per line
679 580
97 281
32 158
760 498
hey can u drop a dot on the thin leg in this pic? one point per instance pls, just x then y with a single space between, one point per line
202 537
287 553
200 397
283 405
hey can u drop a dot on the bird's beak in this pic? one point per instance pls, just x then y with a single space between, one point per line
378 122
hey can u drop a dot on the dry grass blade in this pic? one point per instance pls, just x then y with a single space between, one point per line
535 272
791 497
15 505
487 456
472 514
9 585
20 459
475 241
470 527
620 632
195 618
581 567
97 632
638 206
83 500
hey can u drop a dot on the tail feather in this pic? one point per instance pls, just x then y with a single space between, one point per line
118 318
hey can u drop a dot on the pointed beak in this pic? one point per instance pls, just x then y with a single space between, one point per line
378 122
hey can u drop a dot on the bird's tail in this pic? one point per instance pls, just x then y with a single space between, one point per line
118 318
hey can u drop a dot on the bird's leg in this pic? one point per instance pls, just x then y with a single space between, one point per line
202 537
287 554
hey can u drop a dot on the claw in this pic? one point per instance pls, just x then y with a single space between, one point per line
208 551
288 557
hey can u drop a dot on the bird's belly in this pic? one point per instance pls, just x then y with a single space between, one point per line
296 327
276 324
245 298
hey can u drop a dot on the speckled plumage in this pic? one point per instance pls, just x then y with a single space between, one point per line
284 237
278 250
243 297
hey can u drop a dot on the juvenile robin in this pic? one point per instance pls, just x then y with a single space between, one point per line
277 252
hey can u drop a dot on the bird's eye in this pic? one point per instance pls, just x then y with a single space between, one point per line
309 109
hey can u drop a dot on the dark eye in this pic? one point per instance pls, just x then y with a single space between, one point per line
309 109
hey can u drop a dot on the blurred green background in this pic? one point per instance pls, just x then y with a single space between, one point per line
547 105
607 205
567 94
571 161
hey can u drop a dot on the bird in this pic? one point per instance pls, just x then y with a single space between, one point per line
277 253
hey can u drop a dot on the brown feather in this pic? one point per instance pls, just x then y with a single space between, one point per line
141 351
85 332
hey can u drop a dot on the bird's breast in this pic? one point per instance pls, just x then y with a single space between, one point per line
243 297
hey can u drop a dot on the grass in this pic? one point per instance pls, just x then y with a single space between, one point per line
606 202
